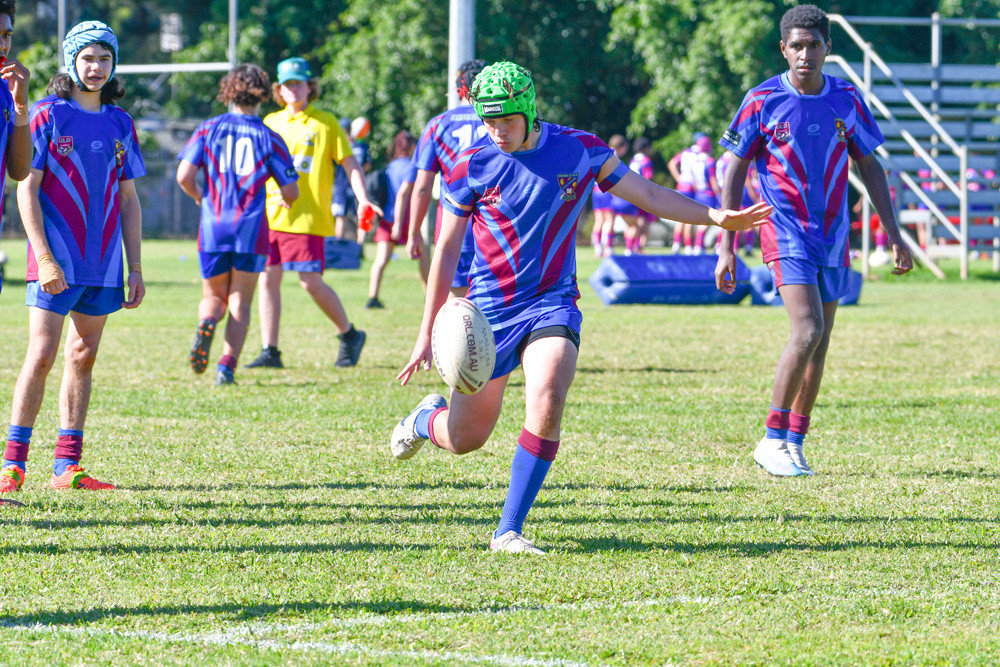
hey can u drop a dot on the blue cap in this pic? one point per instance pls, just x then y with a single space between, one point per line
699 135
293 69
83 35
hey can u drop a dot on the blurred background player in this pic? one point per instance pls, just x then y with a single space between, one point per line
359 130
15 137
751 195
342 204
236 154
524 190
394 227
628 211
693 170
602 236
442 141
642 164
79 208
317 143
822 121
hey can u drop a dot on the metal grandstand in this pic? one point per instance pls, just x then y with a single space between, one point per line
941 126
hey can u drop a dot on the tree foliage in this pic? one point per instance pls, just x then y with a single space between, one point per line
660 68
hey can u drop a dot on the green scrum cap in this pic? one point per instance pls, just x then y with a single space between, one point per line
502 89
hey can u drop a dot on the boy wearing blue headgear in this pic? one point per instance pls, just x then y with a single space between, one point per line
79 208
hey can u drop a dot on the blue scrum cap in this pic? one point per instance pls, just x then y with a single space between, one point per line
83 35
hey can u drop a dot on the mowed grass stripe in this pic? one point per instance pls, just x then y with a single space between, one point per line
275 504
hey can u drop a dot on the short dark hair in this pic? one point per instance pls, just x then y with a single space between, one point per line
640 145
807 17
61 85
246 85
8 7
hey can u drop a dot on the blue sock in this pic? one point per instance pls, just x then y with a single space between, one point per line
422 424
60 465
776 433
18 434
527 472
796 438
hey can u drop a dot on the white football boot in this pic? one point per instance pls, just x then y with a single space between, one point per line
772 455
405 442
799 459
514 543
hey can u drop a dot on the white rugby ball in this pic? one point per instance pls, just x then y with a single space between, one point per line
463 346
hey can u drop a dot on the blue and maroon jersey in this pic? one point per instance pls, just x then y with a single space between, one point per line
83 155
237 153
444 139
525 208
800 144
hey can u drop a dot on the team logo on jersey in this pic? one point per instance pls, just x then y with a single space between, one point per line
491 197
64 145
783 131
841 129
567 183
119 153
6 115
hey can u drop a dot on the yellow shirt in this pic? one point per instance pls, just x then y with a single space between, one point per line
317 143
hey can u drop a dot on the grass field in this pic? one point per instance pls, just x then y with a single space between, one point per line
267 523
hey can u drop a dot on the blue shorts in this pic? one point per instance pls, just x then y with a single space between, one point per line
833 281
217 263
83 299
563 321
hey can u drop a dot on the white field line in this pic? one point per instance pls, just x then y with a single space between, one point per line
248 635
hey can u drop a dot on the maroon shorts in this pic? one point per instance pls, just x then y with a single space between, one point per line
297 252
384 233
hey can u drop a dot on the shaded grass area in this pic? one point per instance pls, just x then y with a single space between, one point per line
267 522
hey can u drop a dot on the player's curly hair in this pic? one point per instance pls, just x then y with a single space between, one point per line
246 85
276 93
807 17
62 86
467 73
8 7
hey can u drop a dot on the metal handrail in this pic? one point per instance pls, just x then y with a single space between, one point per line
959 189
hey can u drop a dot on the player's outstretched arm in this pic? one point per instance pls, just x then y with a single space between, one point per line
873 176
131 211
442 272
730 196
50 275
672 205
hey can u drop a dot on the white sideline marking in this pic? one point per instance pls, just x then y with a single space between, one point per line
247 635
229 639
